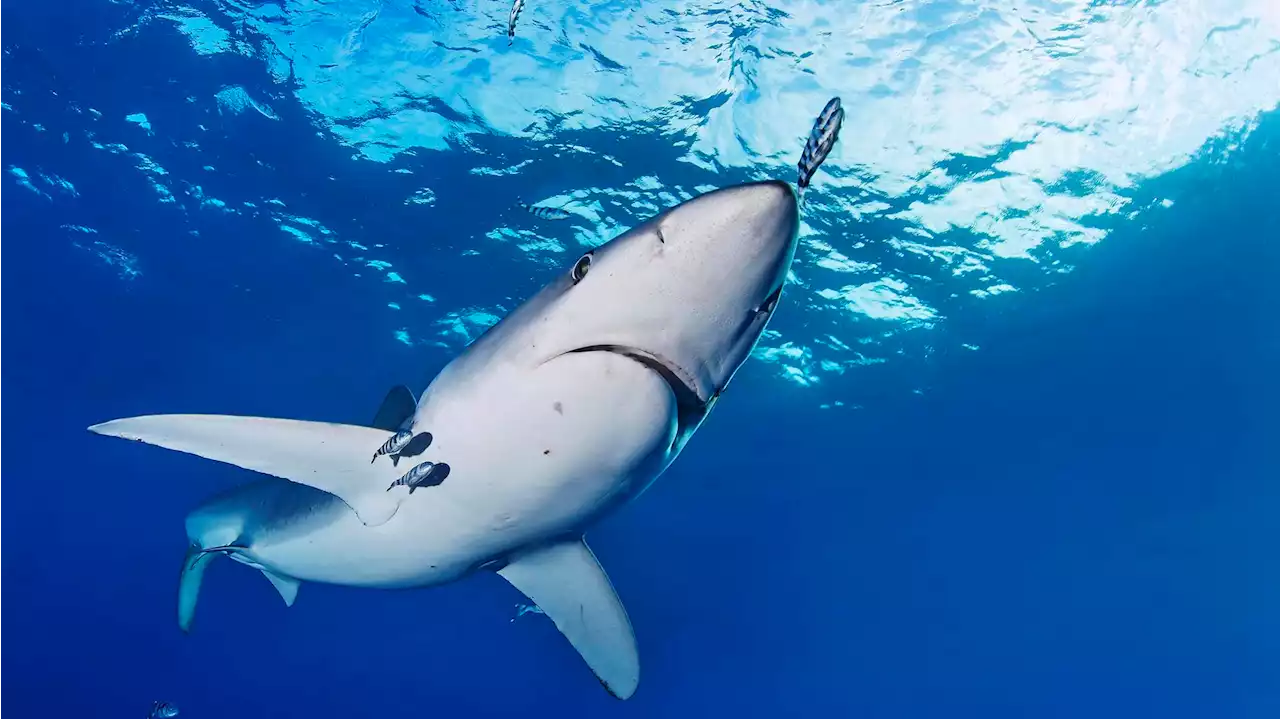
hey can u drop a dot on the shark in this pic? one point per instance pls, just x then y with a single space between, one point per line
566 409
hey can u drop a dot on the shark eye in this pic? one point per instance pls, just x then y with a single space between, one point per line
770 302
580 268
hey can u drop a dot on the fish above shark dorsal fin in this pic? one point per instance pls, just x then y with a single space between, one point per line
330 457
398 406
287 586
570 587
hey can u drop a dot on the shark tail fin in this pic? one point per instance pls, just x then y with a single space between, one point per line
192 576
193 566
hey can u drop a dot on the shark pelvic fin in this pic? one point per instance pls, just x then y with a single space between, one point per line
287 586
332 458
568 585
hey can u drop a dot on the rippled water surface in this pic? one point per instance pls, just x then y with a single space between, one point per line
987 146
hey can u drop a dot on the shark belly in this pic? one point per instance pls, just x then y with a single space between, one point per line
532 458
537 456
349 553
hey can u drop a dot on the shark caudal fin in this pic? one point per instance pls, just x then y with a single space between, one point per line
192 576
332 458
193 566
568 585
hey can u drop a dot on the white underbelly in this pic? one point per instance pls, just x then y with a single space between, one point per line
350 553
532 456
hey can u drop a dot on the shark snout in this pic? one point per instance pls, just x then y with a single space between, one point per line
749 226
769 202
773 192
751 231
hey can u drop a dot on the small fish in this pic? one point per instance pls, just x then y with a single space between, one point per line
511 22
415 447
822 138
547 213
427 474
392 446
162 710
523 609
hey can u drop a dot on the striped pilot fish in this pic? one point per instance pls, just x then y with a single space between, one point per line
826 129
427 474
398 441
546 213
511 22
403 444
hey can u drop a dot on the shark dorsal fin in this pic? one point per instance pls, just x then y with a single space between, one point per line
396 409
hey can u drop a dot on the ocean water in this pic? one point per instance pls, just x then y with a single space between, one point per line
1009 448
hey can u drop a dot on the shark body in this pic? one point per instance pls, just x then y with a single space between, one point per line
567 408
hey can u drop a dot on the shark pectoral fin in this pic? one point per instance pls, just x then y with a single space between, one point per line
287 586
398 406
332 458
193 566
568 585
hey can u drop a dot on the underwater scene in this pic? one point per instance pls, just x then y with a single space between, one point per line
667 358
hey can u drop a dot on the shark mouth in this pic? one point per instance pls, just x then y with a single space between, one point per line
682 384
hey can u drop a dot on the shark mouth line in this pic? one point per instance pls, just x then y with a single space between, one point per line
682 384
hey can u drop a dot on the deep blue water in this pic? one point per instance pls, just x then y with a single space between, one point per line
1009 451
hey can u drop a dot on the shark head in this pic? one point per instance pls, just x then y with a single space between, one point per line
688 293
